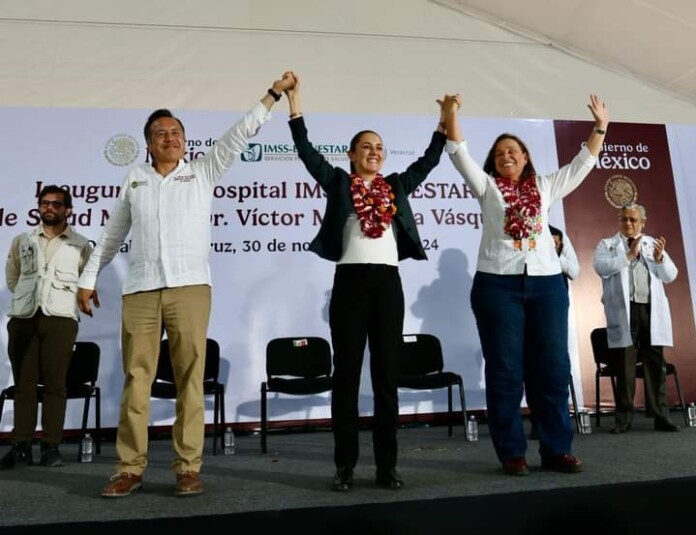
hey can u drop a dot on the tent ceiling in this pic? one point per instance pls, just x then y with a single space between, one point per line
650 40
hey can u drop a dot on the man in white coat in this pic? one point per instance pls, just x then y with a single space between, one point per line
634 267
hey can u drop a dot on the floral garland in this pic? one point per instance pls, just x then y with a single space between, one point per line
374 204
523 209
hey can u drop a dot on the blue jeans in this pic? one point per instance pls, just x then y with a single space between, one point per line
523 326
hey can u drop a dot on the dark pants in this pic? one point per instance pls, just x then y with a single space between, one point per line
367 305
523 327
654 371
40 350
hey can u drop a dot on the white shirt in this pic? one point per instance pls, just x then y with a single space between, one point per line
497 252
361 249
169 217
570 266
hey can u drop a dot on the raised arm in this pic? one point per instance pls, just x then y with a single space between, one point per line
316 165
293 94
449 106
473 175
235 141
277 89
601 122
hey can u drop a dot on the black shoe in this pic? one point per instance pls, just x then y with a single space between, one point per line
389 479
343 480
620 428
20 453
50 456
662 424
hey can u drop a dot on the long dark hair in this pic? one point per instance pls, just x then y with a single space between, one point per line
489 164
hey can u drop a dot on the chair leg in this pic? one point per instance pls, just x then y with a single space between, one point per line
223 422
449 409
264 422
463 404
216 400
97 418
85 416
597 411
2 403
574 399
685 411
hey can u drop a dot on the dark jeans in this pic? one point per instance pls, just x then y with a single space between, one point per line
367 305
523 326
654 371
40 349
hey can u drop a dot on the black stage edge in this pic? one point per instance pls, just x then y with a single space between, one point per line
639 482
634 508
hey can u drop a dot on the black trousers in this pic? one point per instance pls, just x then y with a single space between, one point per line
40 349
654 370
367 306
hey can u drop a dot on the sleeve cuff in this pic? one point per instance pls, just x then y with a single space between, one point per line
452 147
261 113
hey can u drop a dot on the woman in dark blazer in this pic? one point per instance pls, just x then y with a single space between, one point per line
368 226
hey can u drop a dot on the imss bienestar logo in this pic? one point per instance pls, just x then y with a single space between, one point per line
121 149
284 152
253 154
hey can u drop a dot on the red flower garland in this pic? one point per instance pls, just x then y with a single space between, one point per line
374 205
523 207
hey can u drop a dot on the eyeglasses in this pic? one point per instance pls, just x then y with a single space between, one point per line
53 204
629 219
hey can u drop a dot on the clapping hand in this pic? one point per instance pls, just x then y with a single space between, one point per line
659 249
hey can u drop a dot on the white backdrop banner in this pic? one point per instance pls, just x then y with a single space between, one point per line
266 209
682 140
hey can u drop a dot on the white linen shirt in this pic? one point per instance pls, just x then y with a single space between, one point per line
497 253
169 217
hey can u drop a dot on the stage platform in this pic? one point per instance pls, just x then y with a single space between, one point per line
635 483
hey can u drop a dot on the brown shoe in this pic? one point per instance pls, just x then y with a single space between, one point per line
565 463
515 466
188 484
122 485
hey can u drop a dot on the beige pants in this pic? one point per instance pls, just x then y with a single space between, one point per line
184 312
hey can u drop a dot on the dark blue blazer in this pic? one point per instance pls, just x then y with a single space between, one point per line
335 182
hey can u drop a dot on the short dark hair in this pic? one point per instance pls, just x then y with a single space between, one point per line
158 114
489 164
46 190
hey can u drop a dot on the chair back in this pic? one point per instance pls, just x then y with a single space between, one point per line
603 356
84 365
420 354
306 357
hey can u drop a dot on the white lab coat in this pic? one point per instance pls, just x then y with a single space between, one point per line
611 264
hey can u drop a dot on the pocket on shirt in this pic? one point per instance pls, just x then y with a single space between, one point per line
62 297
23 300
